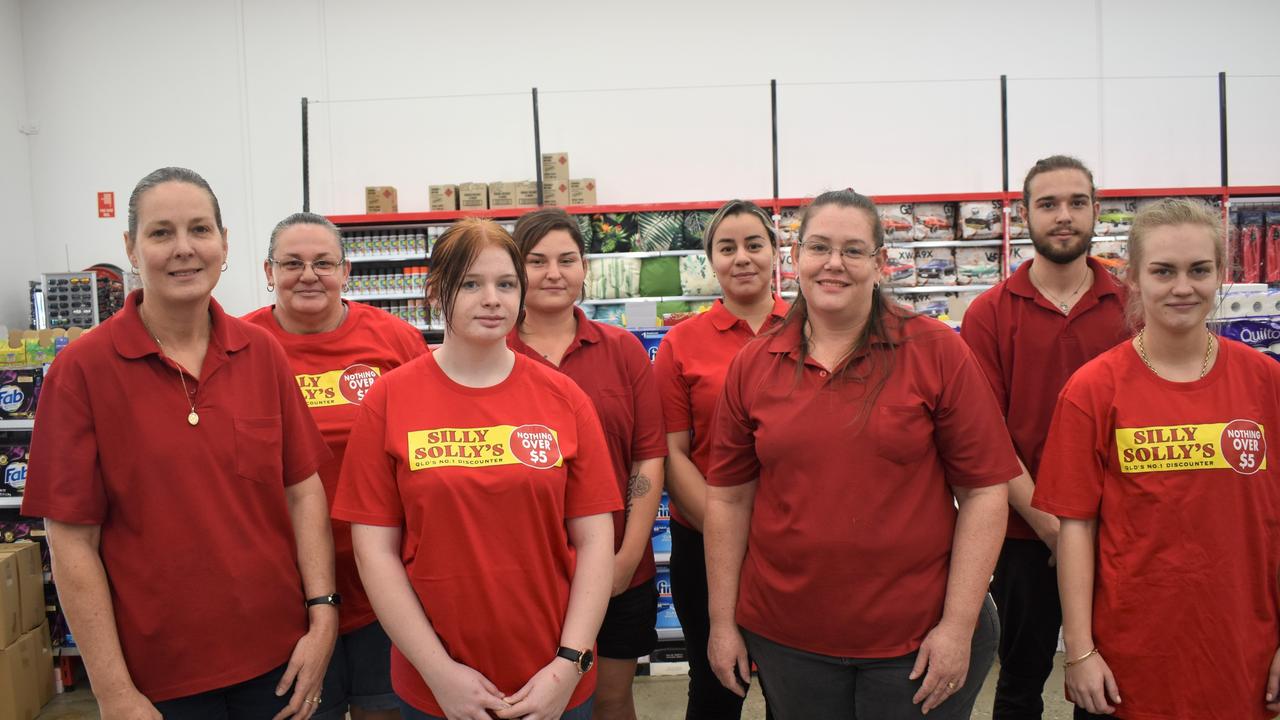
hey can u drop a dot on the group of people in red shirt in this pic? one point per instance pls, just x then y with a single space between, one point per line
841 472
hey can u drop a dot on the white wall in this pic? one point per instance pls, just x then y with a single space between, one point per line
119 89
17 239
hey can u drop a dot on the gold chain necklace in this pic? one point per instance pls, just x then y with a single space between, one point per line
193 418
1063 306
1142 352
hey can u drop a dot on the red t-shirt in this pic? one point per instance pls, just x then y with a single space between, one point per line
692 361
849 547
482 481
333 371
1182 480
1028 349
196 536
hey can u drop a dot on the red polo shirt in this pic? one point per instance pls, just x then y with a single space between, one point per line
482 481
613 369
1183 479
1027 348
196 535
692 361
849 547
333 371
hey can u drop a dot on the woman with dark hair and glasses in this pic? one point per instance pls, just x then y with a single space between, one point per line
336 349
176 468
692 360
856 496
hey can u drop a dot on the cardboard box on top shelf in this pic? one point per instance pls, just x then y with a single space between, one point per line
443 197
502 194
380 199
473 196
555 193
555 166
10 601
30 581
526 193
582 191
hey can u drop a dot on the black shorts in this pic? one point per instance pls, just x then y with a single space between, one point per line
628 631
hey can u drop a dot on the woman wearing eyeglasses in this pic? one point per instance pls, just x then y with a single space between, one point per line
336 349
842 445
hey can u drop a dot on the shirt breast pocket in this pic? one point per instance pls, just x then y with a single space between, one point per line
615 407
903 433
259 449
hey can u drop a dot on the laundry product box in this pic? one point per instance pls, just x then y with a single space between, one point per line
442 197
380 199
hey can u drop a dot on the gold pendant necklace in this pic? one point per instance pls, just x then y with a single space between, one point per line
1142 353
1063 306
193 418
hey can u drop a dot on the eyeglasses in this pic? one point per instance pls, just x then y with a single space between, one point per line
319 267
850 254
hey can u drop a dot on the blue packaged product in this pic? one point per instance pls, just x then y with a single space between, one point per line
666 610
1261 333
650 338
13 463
19 389
662 527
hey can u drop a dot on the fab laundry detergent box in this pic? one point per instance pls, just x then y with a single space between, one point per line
667 618
13 465
662 528
19 389
898 221
977 265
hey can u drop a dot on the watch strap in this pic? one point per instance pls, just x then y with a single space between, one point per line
334 599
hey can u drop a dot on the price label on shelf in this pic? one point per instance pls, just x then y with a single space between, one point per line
106 204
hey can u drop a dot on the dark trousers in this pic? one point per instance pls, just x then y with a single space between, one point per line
1025 589
252 699
708 699
802 685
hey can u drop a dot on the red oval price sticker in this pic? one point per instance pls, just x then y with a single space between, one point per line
356 381
1244 446
535 446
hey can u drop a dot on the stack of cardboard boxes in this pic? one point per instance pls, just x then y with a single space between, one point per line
26 656
557 191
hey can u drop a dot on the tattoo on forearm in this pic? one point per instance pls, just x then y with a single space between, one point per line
637 487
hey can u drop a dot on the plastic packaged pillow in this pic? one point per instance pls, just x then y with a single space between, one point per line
612 315
660 276
697 277
585 227
658 231
613 278
613 232
695 226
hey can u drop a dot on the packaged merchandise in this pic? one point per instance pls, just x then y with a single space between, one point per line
1114 254
1017 225
613 278
526 193
555 167
473 196
13 466
613 232
1233 245
787 269
661 537
442 197
789 226
935 305
555 193
611 315
1018 254
651 338
660 276
935 266
977 266
380 199
695 225
981 220
30 582
1252 232
899 267
19 390
899 222
582 191
1259 333
667 619
1271 248
1115 216
697 277
935 221
12 352
502 194
657 231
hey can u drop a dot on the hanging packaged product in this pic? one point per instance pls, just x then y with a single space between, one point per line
1271 250
935 221
898 221
1252 228
977 266
981 220
1115 216
900 267
935 266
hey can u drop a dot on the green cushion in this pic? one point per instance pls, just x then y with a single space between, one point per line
660 276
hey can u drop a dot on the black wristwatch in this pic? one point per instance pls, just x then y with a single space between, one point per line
334 600
581 659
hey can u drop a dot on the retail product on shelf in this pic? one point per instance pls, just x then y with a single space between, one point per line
610 314
934 304
19 391
368 284
1018 254
502 194
788 281
555 193
380 199
1114 254
473 196
13 465
442 197
660 276
667 619
1115 216
981 220
362 245
898 221
935 221
789 226
526 193
1017 225
587 229
900 267
661 537
70 299
935 266
613 278
659 231
613 232
555 166
977 265
1252 229
582 191
1271 248
695 226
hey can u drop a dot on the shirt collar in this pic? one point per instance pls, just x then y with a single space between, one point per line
1019 283
587 333
132 340
786 341
722 319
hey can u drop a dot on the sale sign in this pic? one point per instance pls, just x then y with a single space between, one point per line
106 204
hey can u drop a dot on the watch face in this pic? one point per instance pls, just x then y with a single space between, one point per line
588 659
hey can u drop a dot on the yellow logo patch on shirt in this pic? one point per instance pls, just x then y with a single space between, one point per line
337 387
1238 445
536 446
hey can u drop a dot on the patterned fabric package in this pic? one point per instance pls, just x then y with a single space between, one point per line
1017 226
697 277
935 266
613 278
585 227
1018 254
657 231
1271 252
1115 217
981 220
1114 254
935 305
695 225
787 269
1252 228
899 222
935 221
789 226
613 232
900 267
977 265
